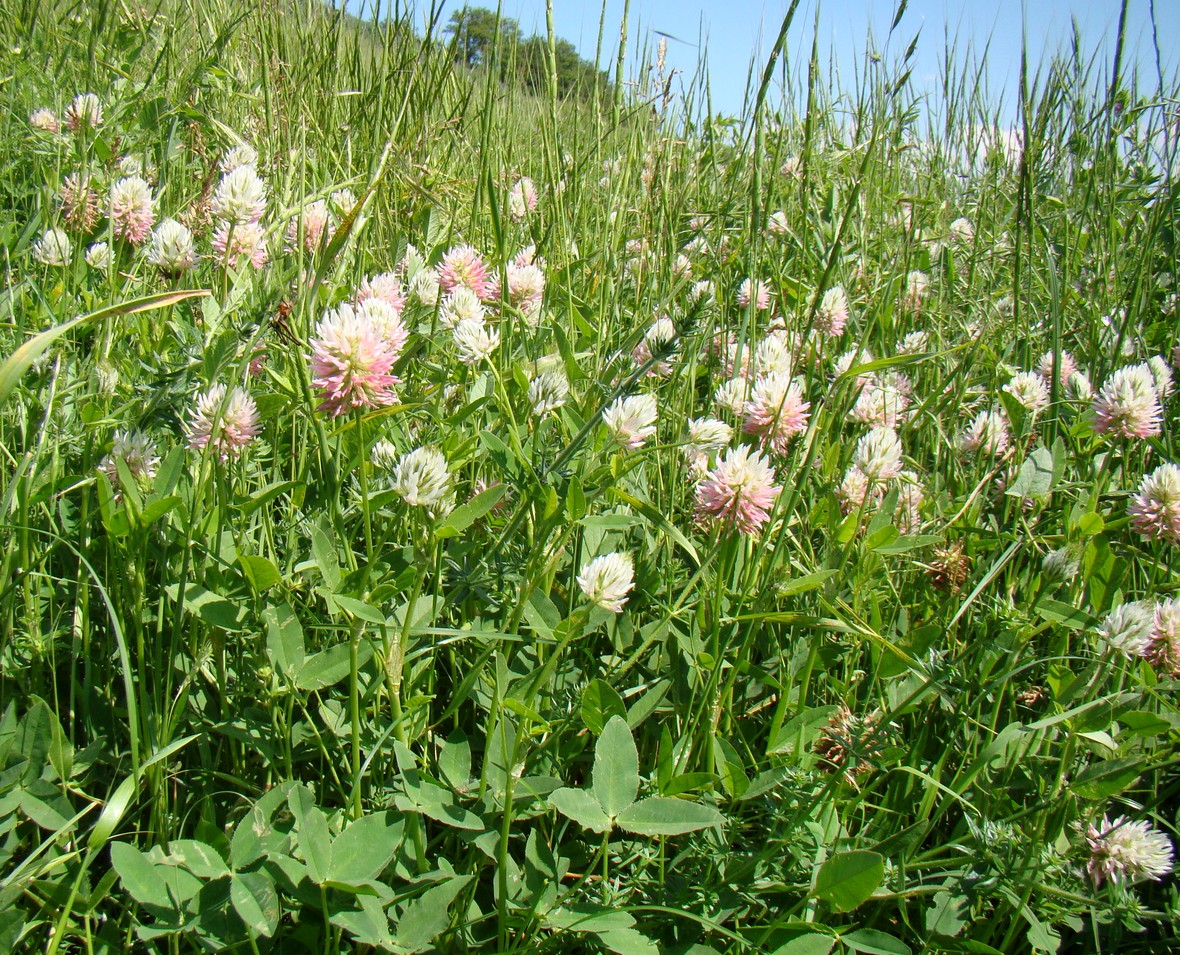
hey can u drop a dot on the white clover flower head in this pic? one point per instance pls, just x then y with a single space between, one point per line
131 166
702 292
778 224
242 154
1062 563
98 256
987 434
878 454
962 230
831 315
135 449
548 391
240 196
53 248
421 478
1078 387
343 202
474 340
424 287
460 304
706 437
915 343
1127 851
661 333
631 420
732 395
607 580
522 198
44 121
708 434
1028 388
1129 628
85 112
851 358
881 406
1162 373
526 289
171 248
384 455
773 356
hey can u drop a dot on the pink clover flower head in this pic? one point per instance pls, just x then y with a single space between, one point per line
1066 367
832 313
754 290
224 423
79 203
312 224
1123 851
631 420
351 362
44 121
240 196
858 490
386 286
1128 405
464 266
244 240
1164 650
85 112
607 580
131 209
1154 510
987 434
522 199
776 411
738 493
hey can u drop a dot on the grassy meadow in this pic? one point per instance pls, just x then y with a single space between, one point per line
444 516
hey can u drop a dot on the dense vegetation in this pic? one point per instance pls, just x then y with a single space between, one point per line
444 513
481 38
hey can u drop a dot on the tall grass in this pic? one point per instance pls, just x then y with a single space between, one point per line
262 701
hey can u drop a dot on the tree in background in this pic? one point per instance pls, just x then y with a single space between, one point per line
474 29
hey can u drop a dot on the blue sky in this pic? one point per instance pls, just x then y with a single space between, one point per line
734 30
